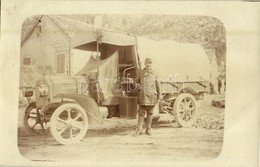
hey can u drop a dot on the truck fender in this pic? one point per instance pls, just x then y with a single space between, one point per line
87 103
169 97
188 90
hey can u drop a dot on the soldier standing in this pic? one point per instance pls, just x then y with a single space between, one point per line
149 95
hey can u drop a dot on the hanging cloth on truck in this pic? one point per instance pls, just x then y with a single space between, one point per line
108 72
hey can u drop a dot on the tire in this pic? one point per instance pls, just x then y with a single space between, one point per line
185 110
34 122
69 123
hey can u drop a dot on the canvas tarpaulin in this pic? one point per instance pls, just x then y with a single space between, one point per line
108 72
86 40
175 60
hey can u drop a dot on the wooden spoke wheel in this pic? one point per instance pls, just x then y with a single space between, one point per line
69 123
185 110
35 122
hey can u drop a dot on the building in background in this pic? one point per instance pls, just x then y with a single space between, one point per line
46 39
45 46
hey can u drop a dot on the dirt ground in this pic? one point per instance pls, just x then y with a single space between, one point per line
113 141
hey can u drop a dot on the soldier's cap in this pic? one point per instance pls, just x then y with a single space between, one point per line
148 60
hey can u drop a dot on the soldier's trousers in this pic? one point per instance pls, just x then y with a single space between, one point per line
145 109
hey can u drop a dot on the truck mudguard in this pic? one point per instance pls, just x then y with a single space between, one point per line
86 102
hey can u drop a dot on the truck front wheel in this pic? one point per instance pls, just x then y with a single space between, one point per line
69 123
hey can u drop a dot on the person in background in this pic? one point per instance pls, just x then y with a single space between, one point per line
149 96
222 79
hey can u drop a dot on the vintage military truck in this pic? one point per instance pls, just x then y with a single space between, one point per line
105 87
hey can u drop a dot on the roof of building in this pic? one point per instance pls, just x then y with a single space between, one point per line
30 74
28 25
69 27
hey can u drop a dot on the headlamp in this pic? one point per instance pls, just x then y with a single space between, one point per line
43 90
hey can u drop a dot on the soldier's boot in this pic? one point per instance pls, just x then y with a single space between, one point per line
139 126
149 125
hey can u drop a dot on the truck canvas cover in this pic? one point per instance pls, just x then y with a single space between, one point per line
113 49
87 40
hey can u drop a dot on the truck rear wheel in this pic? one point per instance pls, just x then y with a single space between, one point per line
69 123
185 110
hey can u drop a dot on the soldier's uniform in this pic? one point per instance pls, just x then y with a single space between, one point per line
149 90
149 94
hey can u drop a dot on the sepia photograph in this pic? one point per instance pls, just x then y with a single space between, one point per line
121 86
129 83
